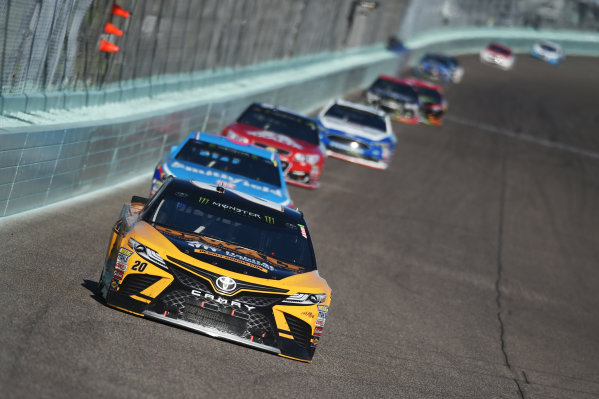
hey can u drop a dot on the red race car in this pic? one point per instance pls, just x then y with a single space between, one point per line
293 136
432 102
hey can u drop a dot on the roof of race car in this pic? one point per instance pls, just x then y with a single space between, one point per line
439 57
499 46
394 79
423 83
361 107
283 109
556 47
225 142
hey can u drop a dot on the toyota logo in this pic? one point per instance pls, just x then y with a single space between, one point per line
226 284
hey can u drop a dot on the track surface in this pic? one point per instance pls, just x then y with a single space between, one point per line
469 269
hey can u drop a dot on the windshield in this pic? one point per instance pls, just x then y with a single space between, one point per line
272 234
548 47
428 95
278 121
397 90
357 116
230 160
500 50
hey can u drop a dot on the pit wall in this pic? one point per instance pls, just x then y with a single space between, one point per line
59 155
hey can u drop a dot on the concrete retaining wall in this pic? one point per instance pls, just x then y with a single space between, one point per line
64 157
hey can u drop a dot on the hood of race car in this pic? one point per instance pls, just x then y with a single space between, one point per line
229 256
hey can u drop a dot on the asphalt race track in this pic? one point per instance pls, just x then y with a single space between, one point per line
470 268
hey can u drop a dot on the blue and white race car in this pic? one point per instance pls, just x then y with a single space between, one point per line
548 51
440 67
357 133
219 161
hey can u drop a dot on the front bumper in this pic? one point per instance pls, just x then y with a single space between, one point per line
255 319
370 162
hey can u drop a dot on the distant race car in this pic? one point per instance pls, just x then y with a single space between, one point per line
217 160
432 102
548 51
395 96
218 262
440 67
358 133
499 55
294 137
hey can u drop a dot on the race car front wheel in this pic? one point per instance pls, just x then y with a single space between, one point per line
101 285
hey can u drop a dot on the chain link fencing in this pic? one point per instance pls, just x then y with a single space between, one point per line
423 16
52 45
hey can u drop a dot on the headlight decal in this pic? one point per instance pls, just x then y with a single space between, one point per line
305 299
147 253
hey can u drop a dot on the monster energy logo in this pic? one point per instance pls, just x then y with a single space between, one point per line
203 200
269 219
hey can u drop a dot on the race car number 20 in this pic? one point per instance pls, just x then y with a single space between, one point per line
139 266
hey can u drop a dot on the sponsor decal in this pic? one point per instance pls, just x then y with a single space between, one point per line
323 308
309 314
201 247
114 284
225 184
303 230
315 342
269 219
118 274
124 255
222 177
322 315
320 322
120 266
279 138
212 244
317 331
222 301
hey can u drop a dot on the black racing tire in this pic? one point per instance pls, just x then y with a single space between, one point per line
101 285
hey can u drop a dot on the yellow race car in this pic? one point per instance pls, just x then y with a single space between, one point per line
219 262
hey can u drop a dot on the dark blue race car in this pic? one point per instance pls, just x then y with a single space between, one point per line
440 67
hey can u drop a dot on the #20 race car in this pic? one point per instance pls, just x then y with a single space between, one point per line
395 97
219 161
432 102
358 133
293 136
218 262
440 67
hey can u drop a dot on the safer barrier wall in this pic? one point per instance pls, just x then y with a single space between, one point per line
43 164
